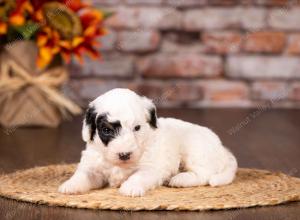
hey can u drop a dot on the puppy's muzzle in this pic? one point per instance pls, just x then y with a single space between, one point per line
124 156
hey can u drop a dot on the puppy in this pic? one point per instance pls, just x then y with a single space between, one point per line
127 146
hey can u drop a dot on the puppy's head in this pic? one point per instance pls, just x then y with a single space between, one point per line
119 123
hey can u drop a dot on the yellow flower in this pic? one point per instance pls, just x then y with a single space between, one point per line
45 56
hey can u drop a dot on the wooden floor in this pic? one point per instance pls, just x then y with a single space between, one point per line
268 139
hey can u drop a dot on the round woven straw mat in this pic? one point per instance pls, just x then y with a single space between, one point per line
250 188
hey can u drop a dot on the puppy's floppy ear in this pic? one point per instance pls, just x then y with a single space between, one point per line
89 125
151 112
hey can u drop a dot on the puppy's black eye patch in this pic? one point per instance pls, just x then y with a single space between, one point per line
107 131
137 128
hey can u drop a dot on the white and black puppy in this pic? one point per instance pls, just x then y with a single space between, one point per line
127 146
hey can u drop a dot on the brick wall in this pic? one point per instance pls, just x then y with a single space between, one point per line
199 52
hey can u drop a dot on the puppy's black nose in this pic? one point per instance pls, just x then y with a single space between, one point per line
124 156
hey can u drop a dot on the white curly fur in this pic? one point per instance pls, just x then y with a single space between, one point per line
178 153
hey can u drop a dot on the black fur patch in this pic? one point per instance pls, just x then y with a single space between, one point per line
90 120
153 119
107 130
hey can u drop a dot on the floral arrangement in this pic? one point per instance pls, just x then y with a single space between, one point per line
59 28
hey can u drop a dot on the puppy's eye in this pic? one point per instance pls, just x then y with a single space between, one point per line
106 131
137 128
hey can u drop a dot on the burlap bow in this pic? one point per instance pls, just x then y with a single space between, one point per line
14 77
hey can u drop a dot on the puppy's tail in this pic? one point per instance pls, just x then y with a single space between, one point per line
227 175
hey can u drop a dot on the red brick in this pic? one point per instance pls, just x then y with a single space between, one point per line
295 91
224 91
253 18
173 47
263 67
152 90
269 90
211 18
221 42
265 42
89 89
180 65
276 2
145 18
144 2
186 3
223 2
285 18
293 46
143 41
164 93
222 18
111 65
105 2
184 92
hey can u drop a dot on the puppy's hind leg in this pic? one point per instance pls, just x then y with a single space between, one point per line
189 179
227 175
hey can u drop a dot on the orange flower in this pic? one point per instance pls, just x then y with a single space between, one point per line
3 28
50 42
73 31
17 19
75 5
17 16
91 20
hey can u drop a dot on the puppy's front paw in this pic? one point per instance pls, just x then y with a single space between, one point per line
74 186
130 188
